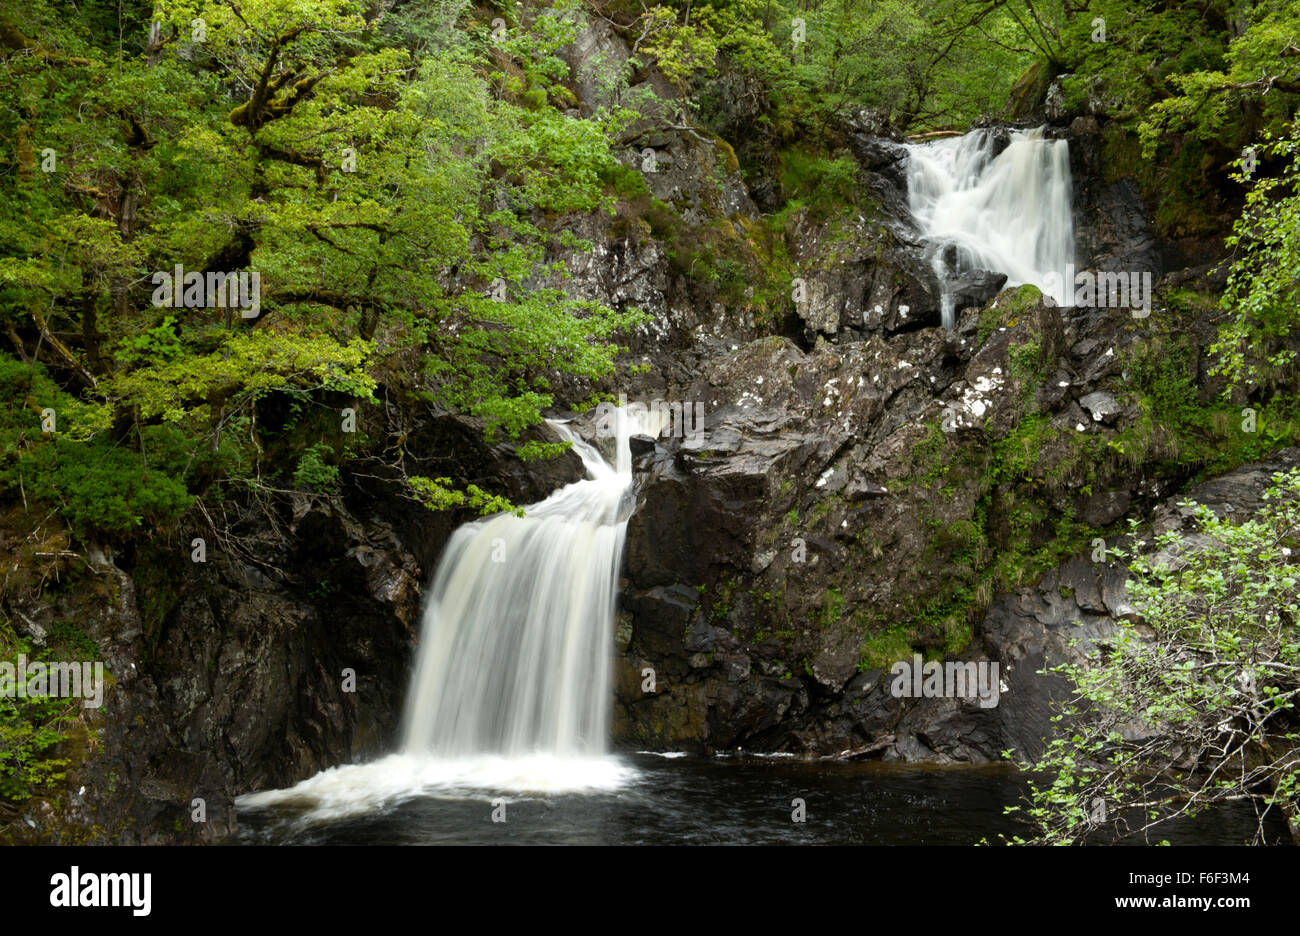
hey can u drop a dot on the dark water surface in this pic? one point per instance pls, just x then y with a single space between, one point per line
716 801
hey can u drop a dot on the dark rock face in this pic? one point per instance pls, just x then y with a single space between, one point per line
872 278
722 685
1101 406
879 155
641 445
242 685
1117 236
797 531
1112 225
976 287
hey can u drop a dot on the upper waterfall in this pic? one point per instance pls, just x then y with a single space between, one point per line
1010 213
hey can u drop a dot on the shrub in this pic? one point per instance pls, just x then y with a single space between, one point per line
1202 709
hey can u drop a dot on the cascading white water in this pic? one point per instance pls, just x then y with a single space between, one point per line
511 689
1009 213
517 637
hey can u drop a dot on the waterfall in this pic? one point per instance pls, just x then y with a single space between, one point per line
511 689
1008 214
515 652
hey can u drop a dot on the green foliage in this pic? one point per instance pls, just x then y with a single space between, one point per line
533 450
719 604
100 487
825 185
624 181
1016 455
930 462
74 643
884 647
1214 681
31 729
1176 427
915 64
255 362
1025 365
1006 311
1262 291
103 489
389 178
314 472
1218 73
437 494
832 608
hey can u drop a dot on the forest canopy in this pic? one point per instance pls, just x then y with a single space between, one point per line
391 180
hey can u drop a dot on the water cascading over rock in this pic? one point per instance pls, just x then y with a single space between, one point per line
1008 214
517 636
511 689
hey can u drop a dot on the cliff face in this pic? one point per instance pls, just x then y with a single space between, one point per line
857 503
868 486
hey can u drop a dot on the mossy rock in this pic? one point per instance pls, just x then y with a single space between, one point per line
1029 92
729 159
1029 321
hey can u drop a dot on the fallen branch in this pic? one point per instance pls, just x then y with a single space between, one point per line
935 134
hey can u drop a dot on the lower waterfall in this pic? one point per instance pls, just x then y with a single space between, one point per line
518 629
511 689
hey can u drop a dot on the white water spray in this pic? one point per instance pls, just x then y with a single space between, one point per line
511 689
1009 214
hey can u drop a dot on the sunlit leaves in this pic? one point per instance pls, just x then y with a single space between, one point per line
248 362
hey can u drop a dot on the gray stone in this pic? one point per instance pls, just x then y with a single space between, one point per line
1101 406
1105 508
976 287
